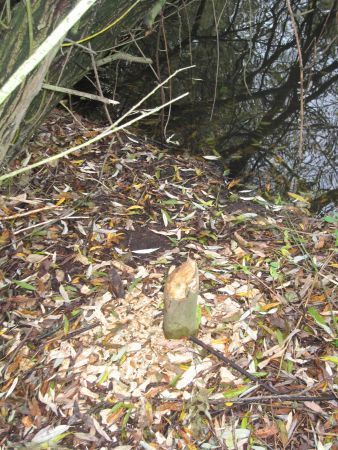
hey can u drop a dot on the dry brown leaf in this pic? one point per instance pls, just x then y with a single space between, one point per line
266 432
169 406
320 243
27 421
314 407
34 407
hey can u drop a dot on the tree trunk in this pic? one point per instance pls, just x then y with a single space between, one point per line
180 301
29 104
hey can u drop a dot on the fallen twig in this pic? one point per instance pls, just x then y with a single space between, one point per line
74 333
267 398
276 397
232 364
27 213
279 398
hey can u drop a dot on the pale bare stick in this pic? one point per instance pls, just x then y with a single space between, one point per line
28 213
301 81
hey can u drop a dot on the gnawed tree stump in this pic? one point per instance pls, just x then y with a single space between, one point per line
180 301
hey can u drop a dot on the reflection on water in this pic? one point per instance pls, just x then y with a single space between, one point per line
245 89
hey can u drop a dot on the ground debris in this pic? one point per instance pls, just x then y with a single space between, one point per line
85 248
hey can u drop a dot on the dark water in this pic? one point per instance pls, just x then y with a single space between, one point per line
244 91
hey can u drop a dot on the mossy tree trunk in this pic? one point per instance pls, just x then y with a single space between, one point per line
29 104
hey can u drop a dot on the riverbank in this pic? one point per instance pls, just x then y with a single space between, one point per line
86 244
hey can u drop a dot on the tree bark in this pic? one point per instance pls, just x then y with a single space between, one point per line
25 109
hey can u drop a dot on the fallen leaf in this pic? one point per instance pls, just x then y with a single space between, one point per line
266 432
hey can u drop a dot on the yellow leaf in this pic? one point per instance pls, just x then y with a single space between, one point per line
62 199
233 183
131 208
317 298
177 174
248 294
333 359
220 341
95 248
20 255
182 416
297 197
115 238
269 306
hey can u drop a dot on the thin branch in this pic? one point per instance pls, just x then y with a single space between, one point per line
125 57
50 87
28 213
266 398
217 22
98 85
280 398
232 364
301 79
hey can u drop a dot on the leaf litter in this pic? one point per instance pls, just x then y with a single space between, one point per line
86 245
